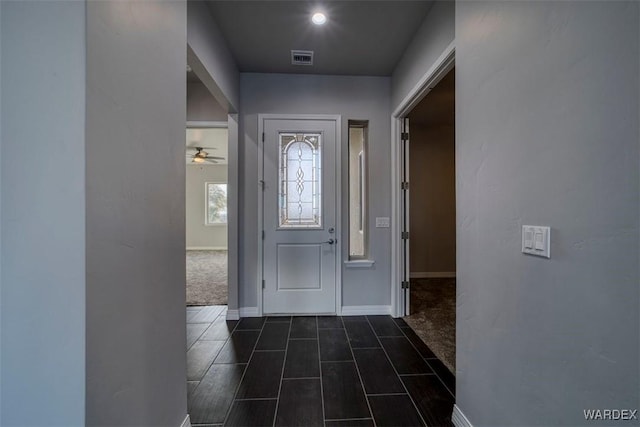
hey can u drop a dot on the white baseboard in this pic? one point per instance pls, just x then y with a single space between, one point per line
206 248
248 312
233 314
186 422
432 275
360 310
458 419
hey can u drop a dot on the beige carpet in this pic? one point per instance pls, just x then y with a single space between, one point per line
206 277
433 318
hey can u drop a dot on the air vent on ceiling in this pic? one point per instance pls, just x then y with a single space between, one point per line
302 57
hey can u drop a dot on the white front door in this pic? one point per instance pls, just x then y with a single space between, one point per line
299 216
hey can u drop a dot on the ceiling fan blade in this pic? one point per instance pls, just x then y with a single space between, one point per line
215 158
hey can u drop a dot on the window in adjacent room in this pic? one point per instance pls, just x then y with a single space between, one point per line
216 203
357 189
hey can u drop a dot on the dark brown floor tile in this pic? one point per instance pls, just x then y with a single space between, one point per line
219 330
302 359
444 374
250 323
433 400
394 411
329 322
343 394
304 327
191 386
377 373
350 423
417 342
400 322
346 319
207 315
200 356
300 403
252 413
238 348
404 357
384 326
334 346
278 319
361 335
211 400
262 378
274 336
194 331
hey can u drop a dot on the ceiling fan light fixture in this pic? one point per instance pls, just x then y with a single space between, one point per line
319 18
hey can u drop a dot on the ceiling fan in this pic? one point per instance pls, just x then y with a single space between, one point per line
201 156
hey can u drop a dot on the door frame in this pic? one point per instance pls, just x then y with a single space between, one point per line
338 195
427 82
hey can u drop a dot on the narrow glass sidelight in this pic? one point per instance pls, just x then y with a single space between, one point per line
300 178
358 189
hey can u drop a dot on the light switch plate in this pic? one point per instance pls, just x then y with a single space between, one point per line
536 240
382 222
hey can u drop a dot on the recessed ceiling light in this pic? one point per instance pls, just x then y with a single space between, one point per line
319 18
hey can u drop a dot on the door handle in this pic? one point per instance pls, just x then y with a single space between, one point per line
331 241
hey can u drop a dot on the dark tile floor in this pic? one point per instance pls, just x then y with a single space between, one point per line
312 371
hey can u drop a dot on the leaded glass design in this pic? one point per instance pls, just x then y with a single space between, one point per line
299 194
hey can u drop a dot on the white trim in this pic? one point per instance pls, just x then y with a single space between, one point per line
249 312
459 419
432 275
186 422
206 124
438 70
207 248
360 310
359 263
233 314
338 205
433 75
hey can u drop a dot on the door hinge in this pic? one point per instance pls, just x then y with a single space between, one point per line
405 235
262 234
262 136
263 283
405 185
405 285
261 184
404 136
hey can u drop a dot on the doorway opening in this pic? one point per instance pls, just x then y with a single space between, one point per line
431 219
206 213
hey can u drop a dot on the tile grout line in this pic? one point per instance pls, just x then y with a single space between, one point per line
425 359
355 363
384 350
235 393
324 416
284 362
213 360
439 378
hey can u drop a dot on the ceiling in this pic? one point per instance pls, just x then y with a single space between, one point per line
359 38
438 108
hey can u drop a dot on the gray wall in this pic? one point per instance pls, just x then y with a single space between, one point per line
547 133
200 235
432 194
136 105
202 106
43 213
210 58
356 98
432 38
